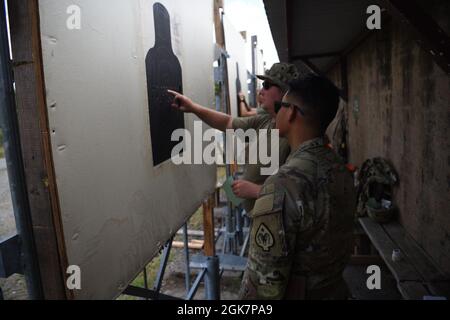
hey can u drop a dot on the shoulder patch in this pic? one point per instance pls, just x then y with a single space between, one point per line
267 233
264 238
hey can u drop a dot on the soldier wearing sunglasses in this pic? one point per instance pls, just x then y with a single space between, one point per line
301 236
275 85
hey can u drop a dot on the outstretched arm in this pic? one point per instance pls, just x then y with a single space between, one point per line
214 119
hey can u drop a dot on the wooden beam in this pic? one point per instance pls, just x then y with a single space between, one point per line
316 55
428 34
220 39
195 233
402 270
412 290
208 227
416 274
418 257
344 78
36 147
221 42
366 260
193 245
289 11
311 66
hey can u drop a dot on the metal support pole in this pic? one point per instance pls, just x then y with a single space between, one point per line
186 257
212 279
239 226
162 267
145 279
196 284
229 245
229 241
244 245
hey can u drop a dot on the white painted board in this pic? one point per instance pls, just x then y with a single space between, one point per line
237 64
117 208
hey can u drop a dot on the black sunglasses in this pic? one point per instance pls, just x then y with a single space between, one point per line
267 85
280 104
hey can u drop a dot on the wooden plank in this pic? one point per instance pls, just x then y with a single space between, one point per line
208 227
316 55
365 260
424 29
358 230
220 38
36 151
196 233
402 270
415 254
430 280
441 288
194 245
412 290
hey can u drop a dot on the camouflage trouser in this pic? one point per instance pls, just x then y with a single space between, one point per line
298 291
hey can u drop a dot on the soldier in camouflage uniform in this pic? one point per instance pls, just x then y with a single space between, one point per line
275 85
276 82
301 235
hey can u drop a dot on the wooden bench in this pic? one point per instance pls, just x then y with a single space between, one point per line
416 274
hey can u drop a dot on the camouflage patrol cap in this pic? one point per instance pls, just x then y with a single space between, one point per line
281 74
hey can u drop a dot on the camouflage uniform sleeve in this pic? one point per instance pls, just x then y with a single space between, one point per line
246 123
272 243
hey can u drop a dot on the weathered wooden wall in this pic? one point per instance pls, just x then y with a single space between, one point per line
399 109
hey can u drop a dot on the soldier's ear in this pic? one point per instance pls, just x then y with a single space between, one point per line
292 114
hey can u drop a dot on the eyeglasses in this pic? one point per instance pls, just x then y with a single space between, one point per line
267 85
280 104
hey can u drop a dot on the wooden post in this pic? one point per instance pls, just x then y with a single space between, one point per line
208 227
36 148
220 40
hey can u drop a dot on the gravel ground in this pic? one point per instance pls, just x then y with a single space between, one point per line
13 288
174 281
7 223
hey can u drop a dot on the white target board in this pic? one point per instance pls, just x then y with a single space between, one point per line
106 66
237 65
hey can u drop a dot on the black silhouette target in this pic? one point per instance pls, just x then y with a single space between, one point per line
163 73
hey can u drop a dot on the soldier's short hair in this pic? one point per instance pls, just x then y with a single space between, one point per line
320 97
